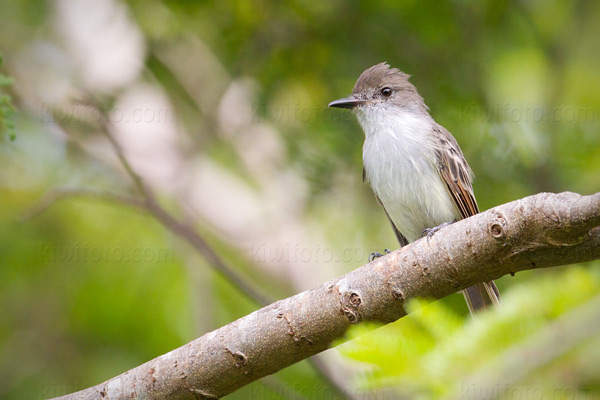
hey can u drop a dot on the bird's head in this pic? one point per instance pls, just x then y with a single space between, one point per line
382 88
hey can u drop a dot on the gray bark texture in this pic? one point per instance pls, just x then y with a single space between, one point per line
539 231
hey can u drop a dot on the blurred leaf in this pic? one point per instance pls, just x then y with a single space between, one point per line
428 353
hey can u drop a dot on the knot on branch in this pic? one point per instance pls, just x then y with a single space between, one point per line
294 332
350 302
239 358
396 289
497 226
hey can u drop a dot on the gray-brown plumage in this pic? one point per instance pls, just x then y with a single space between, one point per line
414 165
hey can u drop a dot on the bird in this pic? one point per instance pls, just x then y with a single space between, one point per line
414 166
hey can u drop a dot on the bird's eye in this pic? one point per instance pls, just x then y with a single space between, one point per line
386 92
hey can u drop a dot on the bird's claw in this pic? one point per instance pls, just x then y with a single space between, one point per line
376 255
429 232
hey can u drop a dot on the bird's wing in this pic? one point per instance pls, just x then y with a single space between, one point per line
455 172
401 239
457 175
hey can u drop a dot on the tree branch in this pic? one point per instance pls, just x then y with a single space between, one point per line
183 229
540 231
147 201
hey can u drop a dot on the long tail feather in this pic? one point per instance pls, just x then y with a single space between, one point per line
481 295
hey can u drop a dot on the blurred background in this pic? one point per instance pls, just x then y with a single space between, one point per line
221 108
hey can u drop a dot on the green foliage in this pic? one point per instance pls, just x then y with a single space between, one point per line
7 110
516 83
432 352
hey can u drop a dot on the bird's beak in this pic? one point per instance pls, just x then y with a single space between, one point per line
349 103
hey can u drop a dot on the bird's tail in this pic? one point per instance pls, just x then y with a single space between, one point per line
481 295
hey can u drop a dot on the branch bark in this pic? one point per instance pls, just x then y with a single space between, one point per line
183 229
540 231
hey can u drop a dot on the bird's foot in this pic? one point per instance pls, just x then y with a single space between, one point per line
376 255
429 232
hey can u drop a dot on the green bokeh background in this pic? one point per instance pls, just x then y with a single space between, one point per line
516 82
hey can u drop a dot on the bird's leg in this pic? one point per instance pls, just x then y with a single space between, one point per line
376 255
429 232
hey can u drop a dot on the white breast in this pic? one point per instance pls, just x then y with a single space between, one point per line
400 164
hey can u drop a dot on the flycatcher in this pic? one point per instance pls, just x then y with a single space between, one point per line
414 165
